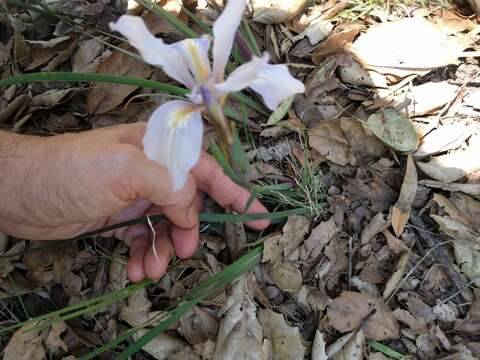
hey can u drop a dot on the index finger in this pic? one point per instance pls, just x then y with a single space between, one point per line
211 179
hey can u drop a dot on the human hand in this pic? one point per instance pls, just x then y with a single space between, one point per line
66 185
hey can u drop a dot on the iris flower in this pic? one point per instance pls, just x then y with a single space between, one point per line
175 130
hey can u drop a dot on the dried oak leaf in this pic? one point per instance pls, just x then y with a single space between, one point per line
350 310
286 340
26 344
103 97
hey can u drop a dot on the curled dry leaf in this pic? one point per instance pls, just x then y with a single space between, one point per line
286 340
348 347
396 278
276 11
337 42
451 167
470 189
409 46
403 207
165 346
394 129
351 310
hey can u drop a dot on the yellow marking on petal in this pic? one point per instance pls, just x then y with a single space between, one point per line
201 71
179 117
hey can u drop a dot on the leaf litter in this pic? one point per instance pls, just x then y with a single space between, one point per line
387 132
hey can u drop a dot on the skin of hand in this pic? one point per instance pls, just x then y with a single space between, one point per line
62 186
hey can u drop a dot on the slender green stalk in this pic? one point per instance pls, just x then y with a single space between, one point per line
386 350
86 77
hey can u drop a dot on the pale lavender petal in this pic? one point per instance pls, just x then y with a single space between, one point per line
195 55
174 139
243 76
224 34
153 50
275 84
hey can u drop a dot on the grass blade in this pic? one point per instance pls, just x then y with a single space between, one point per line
219 280
84 77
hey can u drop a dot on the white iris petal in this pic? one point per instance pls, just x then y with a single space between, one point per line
195 54
174 139
274 83
224 31
153 50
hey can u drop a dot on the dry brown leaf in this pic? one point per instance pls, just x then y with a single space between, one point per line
470 189
408 46
336 252
103 97
26 344
446 137
376 225
276 11
320 236
471 324
288 243
355 74
469 208
5 50
361 139
198 326
329 140
451 167
350 310
426 98
417 324
53 341
396 278
348 347
285 275
50 98
86 59
397 245
286 340
338 42
165 347
403 207
239 333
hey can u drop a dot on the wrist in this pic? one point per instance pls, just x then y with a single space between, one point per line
17 155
